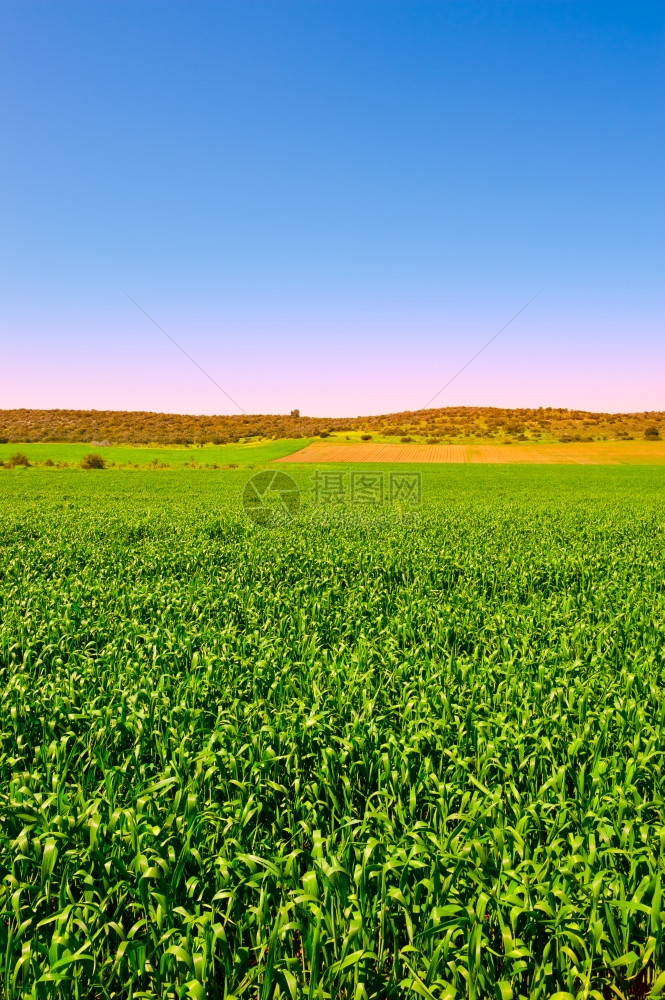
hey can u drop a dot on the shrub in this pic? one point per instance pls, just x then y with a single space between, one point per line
49 462
433 441
93 461
405 440
365 437
652 433
18 458
324 434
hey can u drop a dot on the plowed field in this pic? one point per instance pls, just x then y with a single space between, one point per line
583 453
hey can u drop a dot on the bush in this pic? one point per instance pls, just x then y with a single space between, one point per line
49 462
365 437
433 441
93 461
405 440
18 458
324 434
652 433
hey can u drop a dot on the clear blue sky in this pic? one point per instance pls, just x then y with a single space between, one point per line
332 205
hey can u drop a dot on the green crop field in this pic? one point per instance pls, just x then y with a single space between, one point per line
355 756
140 456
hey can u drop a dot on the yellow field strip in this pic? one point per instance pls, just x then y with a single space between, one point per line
586 453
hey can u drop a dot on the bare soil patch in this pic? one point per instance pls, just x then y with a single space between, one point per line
587 453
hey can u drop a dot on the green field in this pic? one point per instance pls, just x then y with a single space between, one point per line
356 756
252 453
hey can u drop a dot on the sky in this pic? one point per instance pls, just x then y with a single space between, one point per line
331 204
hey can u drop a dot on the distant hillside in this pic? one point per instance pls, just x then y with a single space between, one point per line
447 424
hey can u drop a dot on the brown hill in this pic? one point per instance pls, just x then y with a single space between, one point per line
447 424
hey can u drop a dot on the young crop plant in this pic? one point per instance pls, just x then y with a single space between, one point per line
350 759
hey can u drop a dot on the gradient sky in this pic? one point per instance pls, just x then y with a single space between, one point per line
332 204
